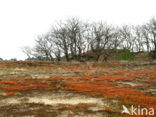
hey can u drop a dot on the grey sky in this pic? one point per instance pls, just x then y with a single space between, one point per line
22 20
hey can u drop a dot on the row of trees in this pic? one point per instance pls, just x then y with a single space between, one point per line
73 38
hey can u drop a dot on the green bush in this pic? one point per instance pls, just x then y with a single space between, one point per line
126 55
13 59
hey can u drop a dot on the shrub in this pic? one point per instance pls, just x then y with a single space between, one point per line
13 59
126 55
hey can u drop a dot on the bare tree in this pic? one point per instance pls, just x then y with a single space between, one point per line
73 28
28 51
146 37
151 28
75 32
138 38
60 38
44 47
102 36
127 37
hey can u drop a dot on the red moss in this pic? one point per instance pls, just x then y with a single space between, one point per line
9 94
94 84
9 82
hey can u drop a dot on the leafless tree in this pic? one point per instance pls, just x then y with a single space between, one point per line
75 32
146 37
127 37
151 29
44 47
28 51
60 38
102 36
138 38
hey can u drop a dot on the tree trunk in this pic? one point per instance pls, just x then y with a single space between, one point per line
97 58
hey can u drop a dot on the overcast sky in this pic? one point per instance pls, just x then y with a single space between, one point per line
22 20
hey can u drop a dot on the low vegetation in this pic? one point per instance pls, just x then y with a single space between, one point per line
37 88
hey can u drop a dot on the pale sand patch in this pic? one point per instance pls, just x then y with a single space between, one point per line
9 101
53 99
152 91
71 101
129 83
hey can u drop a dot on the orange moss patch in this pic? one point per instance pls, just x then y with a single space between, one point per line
103 83
9 82
9 94
23 85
